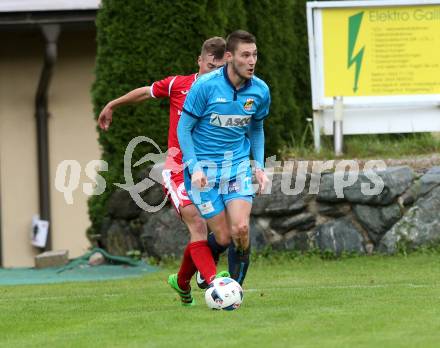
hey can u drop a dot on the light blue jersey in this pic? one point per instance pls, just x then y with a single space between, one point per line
217 130
224 115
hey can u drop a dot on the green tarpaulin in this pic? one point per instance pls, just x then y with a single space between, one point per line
116 267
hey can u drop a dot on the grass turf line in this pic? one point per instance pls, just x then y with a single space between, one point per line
354 302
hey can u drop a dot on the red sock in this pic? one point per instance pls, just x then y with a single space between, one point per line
187 269
203 260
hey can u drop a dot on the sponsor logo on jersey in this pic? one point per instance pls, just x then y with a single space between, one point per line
221 100
206 208
230 120
248 104
215 120
234 186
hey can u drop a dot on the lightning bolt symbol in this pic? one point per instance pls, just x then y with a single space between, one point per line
354 25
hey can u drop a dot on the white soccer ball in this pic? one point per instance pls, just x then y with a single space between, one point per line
224 293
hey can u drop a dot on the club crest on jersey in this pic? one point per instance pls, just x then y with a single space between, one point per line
230 120
248 104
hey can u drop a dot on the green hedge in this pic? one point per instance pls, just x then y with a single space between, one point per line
140 41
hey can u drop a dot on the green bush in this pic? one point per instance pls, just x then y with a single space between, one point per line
141 41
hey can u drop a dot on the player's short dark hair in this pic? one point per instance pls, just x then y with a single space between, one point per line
215 45
236 37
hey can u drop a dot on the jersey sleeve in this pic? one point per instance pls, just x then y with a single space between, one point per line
184 129
196 100
263 109
256 138
162 88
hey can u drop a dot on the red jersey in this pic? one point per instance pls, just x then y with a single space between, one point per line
176 88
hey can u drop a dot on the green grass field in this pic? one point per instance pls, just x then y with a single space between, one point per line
353 302
373 146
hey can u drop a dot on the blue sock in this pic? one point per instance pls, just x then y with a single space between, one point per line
238 261
216 248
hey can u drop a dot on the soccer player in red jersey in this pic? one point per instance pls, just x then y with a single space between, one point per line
197 255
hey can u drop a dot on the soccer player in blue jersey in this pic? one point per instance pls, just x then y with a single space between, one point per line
221 124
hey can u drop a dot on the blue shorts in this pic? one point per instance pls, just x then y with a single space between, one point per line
212 200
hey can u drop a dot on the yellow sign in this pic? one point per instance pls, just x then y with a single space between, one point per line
378 51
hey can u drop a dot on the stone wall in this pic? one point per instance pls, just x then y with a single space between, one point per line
322 215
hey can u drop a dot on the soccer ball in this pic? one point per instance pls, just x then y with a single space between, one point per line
224 293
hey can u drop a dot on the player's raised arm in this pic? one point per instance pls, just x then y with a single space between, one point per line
135 96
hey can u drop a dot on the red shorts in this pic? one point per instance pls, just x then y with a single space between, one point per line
174 187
